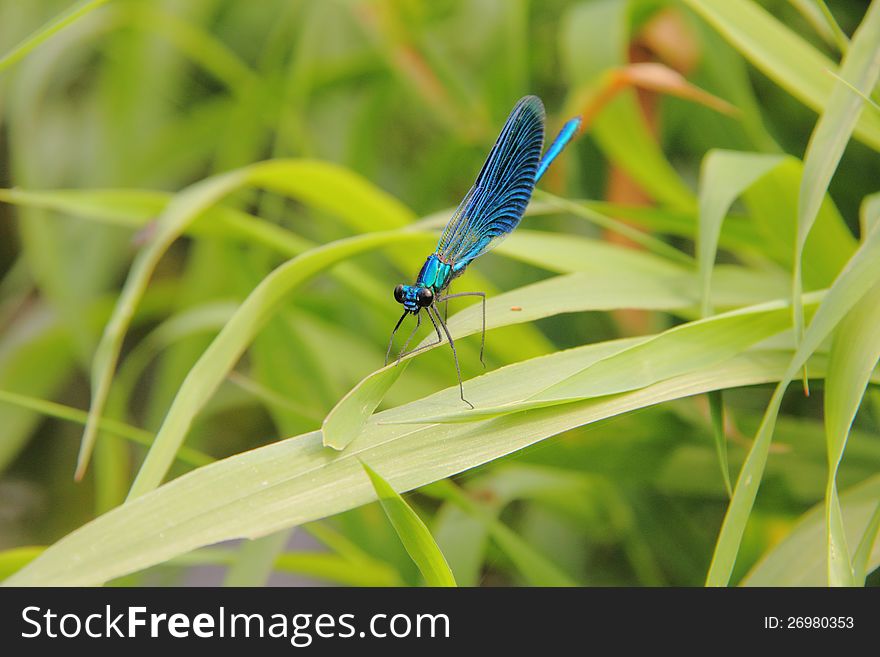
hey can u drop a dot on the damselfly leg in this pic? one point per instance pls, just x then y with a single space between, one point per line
454 354
391 341
482 295
424 346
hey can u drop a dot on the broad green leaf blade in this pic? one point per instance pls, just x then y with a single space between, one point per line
854 353
723 177
860 275
839 565
413 533
674 352
322 185
800 558
781 55
57 24
860 67
870 102
569 293
298 480
666 288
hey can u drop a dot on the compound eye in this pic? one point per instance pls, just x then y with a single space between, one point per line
398 294
424 297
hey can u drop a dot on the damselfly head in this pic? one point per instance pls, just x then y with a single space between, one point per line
413 297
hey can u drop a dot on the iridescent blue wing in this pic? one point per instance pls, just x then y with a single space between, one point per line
495 204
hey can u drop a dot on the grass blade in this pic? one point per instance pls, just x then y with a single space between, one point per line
295 481
724 175
413 533
664 289
800 558
138 436
57 24
225 350
854 353
684 348
324 186
820 17
861 67
716 412
862 273
781 55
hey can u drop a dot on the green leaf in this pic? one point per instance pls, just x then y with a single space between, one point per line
220 357
800 558
724 175
322 185
653 244
570 293
664 288
854 353
36 356
137 208
772 201
861 67
115 428
413 533
57 24
781 55
298 480
820 17
716 412
862 273
684 348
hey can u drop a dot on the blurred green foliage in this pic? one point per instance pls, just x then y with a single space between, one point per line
157 95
